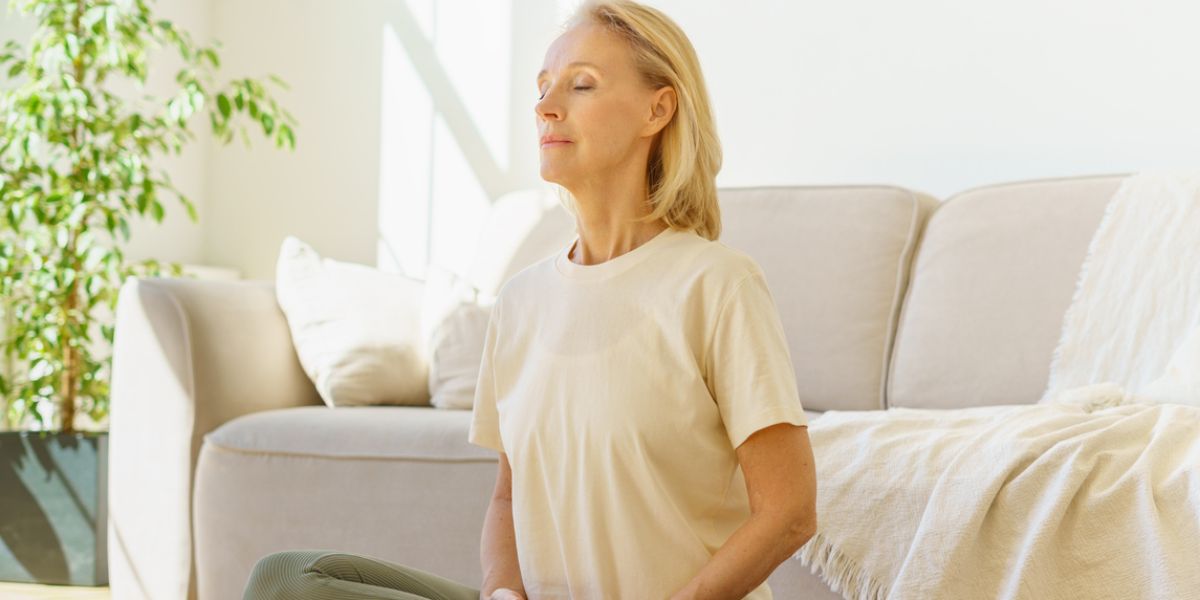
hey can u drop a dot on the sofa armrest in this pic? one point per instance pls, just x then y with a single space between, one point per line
188 355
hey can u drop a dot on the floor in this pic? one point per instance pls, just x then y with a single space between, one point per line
30 591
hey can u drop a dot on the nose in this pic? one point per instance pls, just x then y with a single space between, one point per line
545 109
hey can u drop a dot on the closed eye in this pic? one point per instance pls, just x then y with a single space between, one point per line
578 87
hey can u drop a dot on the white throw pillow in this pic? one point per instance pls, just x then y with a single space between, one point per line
454 323
456 353
357 330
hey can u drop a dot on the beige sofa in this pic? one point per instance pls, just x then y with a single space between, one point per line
222 452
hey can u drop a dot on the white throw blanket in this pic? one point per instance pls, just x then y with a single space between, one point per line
1138 293
1092 493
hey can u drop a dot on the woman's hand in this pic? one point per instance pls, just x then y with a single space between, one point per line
506 594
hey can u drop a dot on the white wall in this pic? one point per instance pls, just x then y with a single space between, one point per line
415 114
942 95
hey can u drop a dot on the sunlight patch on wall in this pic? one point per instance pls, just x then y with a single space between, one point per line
445 130
460 205
405 159
473 45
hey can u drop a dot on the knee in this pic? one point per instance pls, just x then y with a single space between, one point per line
274 575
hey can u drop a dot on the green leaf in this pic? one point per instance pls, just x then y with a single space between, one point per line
92 16
77 214
283 84
223 105
212 56
191 209
71 43
157 209
93 257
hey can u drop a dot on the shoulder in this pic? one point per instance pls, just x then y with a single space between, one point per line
723 264
712 272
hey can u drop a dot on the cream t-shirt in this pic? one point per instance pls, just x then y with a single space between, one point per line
619 392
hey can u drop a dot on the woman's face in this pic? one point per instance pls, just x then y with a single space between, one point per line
603 107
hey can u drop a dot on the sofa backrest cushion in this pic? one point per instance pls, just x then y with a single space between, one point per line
992 279
836 260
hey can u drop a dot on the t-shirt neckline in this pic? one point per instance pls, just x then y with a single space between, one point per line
619 264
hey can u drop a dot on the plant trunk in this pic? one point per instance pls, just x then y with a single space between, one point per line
66 408
6 402
66 396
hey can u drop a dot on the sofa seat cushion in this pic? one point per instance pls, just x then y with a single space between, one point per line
398 432
416 432
397 482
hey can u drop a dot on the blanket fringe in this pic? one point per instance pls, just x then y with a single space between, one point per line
841 573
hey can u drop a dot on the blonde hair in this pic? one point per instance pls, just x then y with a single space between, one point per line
686 156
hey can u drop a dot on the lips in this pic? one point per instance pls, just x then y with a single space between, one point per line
554 140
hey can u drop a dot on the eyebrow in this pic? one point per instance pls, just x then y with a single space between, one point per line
577 63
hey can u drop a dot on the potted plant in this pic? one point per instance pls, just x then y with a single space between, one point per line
75 167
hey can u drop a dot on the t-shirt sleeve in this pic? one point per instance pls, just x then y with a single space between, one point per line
748 365
485 419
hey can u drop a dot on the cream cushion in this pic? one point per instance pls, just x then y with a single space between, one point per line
357 330
836 260
993 275
454 322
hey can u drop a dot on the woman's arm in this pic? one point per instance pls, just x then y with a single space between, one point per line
778 466
498 546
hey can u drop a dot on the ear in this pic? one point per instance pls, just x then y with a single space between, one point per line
662 108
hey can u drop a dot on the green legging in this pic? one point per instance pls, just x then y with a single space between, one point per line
332 575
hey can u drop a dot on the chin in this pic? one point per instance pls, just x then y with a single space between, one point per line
551 175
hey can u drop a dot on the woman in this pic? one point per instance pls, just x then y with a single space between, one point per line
628 376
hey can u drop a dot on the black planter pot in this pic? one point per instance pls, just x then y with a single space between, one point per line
54 507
